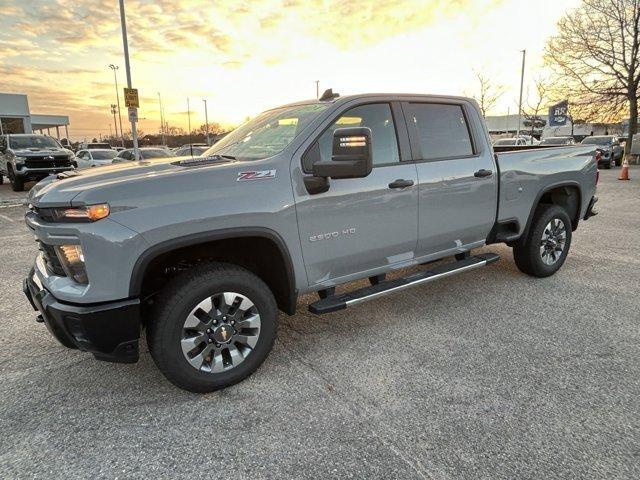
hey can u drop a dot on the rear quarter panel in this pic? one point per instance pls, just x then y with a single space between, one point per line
526 175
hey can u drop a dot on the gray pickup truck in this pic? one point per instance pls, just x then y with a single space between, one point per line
30 157
204 251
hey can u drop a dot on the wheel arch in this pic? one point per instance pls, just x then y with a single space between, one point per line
284 289
554 195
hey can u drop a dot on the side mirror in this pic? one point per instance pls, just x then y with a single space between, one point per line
351 156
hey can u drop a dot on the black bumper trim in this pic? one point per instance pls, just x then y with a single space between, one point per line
110 331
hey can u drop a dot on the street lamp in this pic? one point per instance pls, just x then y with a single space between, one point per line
524 54
206 122
127 68
115 78
113 112
161 118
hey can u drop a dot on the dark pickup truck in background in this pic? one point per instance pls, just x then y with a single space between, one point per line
29 157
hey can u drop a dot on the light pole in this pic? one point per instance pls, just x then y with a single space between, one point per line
161 118
115 78
115 124
127 67
524 54
189 125
317 88
206 122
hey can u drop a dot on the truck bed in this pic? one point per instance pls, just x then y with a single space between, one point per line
526 174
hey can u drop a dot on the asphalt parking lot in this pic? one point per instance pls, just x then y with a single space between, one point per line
489 374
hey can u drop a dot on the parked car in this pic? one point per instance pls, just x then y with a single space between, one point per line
202 253
94 158
146 153
610 145
94 145
28 157
193 150
529 140
510 142
557 141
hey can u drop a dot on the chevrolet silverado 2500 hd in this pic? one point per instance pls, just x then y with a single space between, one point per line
202 252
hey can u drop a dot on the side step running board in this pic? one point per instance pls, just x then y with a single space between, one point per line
339 302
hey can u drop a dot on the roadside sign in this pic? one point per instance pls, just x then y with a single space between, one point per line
558 114
133 114
131 98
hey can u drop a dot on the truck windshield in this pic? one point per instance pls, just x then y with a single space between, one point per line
267 134
32 141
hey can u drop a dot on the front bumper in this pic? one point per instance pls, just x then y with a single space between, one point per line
110 331
30 174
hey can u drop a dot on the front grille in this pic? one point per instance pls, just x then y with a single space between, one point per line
51 261
47 161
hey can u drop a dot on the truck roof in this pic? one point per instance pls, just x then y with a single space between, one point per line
389 96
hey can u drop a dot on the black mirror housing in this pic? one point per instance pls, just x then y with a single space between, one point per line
351 155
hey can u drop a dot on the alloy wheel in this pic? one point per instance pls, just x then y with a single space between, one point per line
554 237
220 332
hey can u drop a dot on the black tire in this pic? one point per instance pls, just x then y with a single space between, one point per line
180 297
1 179
527 251
608 165
16 185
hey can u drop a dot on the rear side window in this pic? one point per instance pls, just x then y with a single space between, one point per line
442 130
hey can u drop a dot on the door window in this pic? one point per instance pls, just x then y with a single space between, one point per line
442 130
377 117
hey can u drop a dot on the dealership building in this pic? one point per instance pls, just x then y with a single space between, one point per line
15 117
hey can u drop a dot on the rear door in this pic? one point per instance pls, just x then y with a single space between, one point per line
360 225
456 173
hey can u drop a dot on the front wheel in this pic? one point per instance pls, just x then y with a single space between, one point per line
213 327
546 246
17 185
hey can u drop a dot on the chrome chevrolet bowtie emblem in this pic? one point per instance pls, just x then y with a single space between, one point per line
224 333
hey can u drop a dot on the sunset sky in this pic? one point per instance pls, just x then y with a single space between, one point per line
245 57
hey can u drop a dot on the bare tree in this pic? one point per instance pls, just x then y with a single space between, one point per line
488 94
537 105
597 56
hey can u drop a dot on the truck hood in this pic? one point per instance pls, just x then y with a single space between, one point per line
74 187
38 152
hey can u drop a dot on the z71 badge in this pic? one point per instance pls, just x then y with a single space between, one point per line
256 175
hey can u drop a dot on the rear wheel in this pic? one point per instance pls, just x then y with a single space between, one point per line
213 327
546 246
17 185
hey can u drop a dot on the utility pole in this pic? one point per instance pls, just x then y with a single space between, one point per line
115 124
127 67
317 88
115 78
161 118
524 54
189 125
206 122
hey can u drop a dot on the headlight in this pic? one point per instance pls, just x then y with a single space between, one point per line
20 160
72 260
89 213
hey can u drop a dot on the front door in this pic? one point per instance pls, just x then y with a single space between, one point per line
457 177
365 224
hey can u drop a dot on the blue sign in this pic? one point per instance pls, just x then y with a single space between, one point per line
558 114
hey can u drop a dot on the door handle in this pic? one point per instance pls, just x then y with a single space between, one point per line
483 173
401 183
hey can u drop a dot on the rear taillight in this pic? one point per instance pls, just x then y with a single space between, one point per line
598 158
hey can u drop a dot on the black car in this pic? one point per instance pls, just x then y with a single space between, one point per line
612 151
